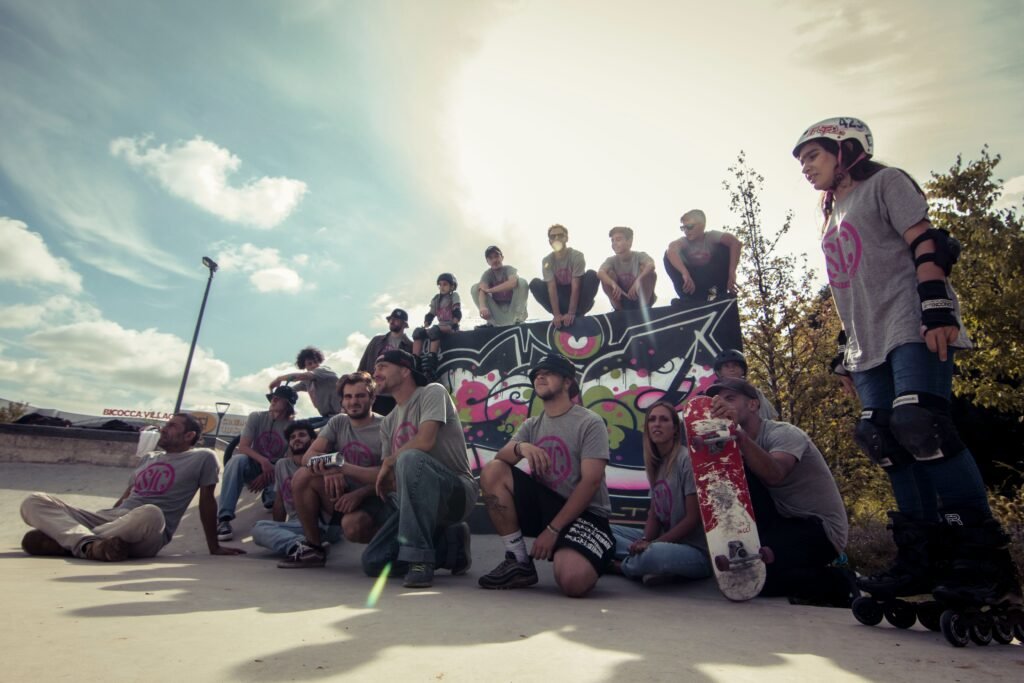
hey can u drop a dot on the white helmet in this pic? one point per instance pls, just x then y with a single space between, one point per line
839 128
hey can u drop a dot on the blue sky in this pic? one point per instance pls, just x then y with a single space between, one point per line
334 157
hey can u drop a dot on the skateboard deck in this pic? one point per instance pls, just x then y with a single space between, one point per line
725 507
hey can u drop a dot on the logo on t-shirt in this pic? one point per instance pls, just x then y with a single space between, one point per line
269 444
498 278
563 275
403 435
358 453
286 493
561 463
625 280
843 250
154 480
661 501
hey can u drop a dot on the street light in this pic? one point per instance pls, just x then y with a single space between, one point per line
212 265
222 409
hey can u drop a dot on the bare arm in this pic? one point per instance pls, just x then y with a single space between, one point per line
771 468
672 253
124 496
208 518
735 246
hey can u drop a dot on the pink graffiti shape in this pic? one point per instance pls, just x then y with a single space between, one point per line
154 480
561 463
843 250
359 454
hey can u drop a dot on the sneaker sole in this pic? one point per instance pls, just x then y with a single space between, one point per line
524 582
302 565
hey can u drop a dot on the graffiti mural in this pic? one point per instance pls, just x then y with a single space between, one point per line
626 361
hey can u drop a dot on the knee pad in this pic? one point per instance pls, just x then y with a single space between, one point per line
875 438
419 334
434 333
922 425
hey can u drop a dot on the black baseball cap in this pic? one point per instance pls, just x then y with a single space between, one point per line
285 392
560 365
400 314
404 359
491 250
740 386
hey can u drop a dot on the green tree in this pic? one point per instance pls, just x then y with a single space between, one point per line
989 280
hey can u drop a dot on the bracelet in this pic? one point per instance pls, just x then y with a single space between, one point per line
554 530
515 449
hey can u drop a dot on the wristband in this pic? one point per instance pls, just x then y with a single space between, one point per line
936 306
554 530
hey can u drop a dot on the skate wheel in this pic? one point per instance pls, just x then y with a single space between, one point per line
867 611
954 629
1002 631
722 563
767 554
981 632
900 614
929 614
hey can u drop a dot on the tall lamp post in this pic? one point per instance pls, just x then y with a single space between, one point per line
222 409
212 266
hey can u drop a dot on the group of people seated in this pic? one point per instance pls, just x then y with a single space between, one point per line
401 483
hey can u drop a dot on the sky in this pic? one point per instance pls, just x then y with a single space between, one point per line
334 157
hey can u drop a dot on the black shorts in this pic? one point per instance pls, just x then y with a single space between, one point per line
536 505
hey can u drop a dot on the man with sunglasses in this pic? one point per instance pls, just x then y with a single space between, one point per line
702 263
567 288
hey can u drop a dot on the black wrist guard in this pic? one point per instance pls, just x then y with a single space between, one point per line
936 306
837 364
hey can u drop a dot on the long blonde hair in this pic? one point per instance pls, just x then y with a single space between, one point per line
654 461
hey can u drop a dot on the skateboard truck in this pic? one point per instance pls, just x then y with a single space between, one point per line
739 557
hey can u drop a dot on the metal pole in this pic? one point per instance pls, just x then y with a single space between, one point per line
195 335
220 416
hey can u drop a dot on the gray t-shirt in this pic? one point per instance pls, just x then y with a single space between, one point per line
443 307
698 252
871 270
563 270
432 403
809 490
284 470
624 272
766 411
322 390
493 278
266 434
170 481
567 439
668 498
360 445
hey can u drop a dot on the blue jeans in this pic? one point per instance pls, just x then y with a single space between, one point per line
238 471
955 479
666 559
428 497
281 536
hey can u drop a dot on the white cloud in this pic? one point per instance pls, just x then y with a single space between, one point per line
55 310
26 259
198 170
267 270
1013 194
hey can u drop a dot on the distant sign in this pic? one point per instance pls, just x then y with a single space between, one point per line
138 414
231 425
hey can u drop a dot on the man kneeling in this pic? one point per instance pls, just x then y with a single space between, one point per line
563 502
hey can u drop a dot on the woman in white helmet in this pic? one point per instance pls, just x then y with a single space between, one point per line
888 269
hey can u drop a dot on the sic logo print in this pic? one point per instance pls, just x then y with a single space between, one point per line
561 463
154 480
842 248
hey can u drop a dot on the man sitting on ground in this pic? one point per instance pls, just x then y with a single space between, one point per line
328 496
144 518
800 514
564 501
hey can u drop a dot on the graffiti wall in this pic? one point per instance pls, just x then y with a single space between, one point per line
627 361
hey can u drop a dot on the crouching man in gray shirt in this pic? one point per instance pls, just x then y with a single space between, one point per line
563 502
144 518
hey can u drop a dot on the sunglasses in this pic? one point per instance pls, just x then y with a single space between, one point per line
687 226
557 236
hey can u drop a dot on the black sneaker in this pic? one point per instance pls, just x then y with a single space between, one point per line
509 574
302 556
224 530
420 575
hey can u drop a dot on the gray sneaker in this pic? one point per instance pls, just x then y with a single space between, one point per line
302 556
224 530
420 575
509 574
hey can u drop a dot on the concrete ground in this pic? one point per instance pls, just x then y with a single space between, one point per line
187 615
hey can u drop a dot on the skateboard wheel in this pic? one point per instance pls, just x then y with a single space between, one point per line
767 554
1002 631
722 563
900 614
929 614
954 629
867 611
